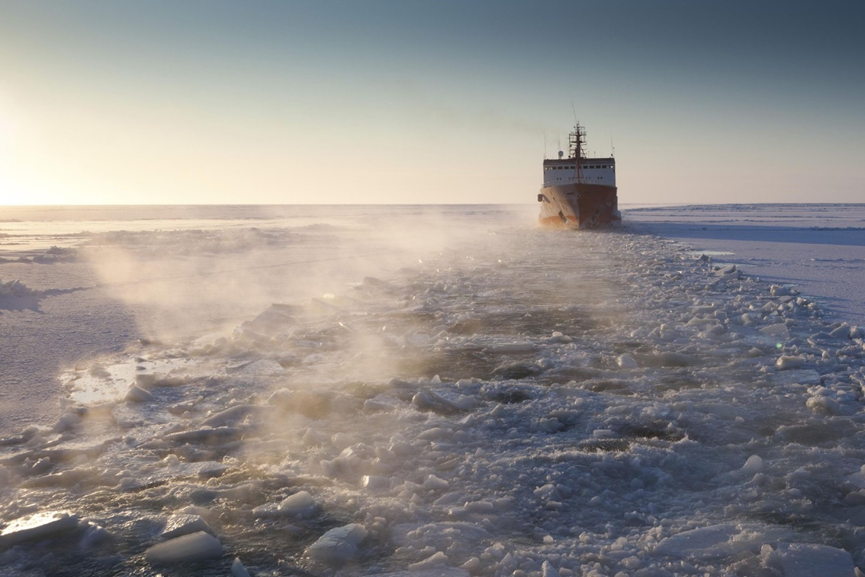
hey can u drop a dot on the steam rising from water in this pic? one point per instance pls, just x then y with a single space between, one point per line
189 281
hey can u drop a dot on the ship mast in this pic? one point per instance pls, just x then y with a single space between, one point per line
576 141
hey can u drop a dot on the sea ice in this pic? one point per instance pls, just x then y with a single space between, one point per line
187 548
93 536
548 570
301 504
138 395
778 330
809 559
525 448
238 570
789 362
439 571
703 543
184 524
338 545
753 465
37 526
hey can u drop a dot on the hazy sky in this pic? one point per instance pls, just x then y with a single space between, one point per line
402 101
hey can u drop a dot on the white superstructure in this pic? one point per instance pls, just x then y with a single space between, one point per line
594 171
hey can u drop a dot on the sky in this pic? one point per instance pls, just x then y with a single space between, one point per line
446 101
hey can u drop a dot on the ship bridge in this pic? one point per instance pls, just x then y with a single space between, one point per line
592 171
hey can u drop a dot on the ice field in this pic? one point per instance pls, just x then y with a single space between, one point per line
440 391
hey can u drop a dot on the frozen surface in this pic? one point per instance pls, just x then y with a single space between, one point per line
509 401
191 548
817 248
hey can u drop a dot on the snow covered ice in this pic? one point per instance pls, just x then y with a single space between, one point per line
524 404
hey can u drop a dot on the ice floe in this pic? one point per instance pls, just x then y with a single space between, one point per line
621 408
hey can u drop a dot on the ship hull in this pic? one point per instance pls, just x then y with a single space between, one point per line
579 206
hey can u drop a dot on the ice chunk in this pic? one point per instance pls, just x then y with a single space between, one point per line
512 348
824 405
435 560
271 322
338 545
703 543
138 395
729 271
438 534
266 511
483 507
427 400
809 559
626 362
558 337
548 570
210 436
93 536
440 571
778 330
183 524
789 362
238 570
37 526
300 504
375 482
433 483
753 465
193 547
233 415
841 332
674 359
343 440
380 403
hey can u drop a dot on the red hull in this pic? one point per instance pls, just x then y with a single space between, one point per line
579 206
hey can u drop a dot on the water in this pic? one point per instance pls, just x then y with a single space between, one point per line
482 398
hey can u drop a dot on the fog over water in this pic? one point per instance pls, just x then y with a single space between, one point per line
426 391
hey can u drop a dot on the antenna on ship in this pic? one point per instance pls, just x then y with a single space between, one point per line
575 144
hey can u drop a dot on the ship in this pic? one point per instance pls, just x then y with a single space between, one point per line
579 192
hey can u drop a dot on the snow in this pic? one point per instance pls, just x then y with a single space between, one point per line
627 404
818 249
